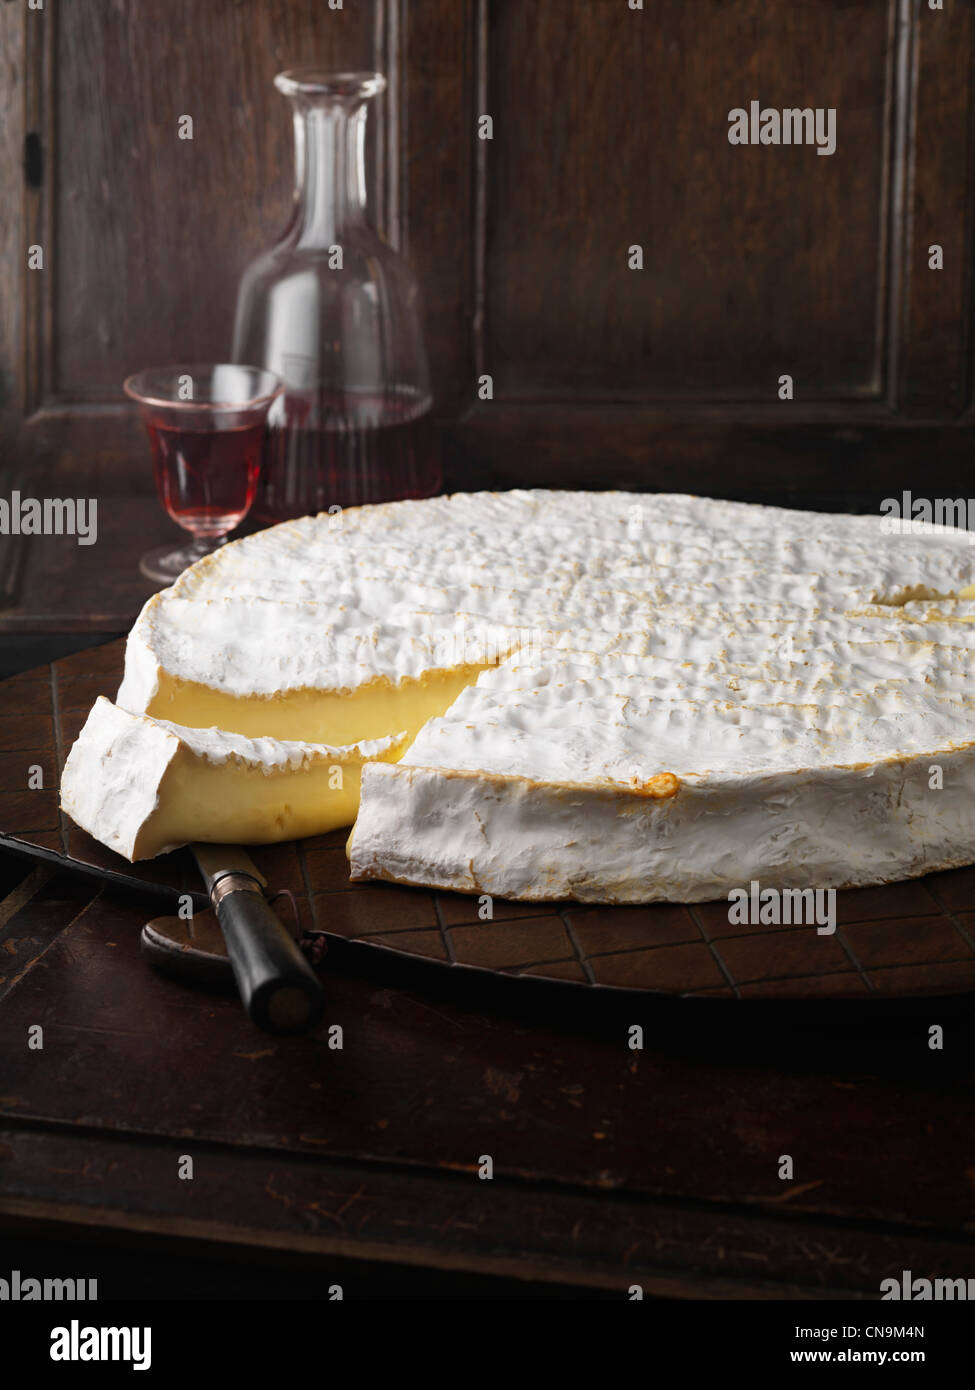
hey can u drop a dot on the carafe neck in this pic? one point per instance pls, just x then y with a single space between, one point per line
330 170
330 111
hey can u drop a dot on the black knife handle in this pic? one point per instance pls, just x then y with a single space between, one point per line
278 987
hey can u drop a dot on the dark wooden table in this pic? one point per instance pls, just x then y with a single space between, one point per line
360 1165
51 584
314 1165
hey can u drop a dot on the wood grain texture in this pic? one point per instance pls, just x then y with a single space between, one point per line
305 1215
12 256
154 231
439 179
610 1167
815 458
62 586
935 374
754 255
611 128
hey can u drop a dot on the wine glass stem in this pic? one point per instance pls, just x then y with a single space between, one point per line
202 545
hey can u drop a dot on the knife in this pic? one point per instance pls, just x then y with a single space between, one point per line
278 987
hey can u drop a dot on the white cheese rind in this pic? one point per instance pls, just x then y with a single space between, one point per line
397 590
517 837
110 782
796 673
143 786
259 648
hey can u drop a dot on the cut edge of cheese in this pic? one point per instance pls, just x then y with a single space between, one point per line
143 786
337 703
332 717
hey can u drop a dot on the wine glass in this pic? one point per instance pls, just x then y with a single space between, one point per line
205 423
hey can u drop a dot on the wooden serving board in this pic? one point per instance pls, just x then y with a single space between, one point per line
905 941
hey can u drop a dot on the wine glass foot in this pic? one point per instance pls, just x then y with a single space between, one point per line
166 563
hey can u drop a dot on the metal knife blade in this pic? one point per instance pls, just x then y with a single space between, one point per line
215 860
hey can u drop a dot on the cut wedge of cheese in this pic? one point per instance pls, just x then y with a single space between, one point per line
291 671
617 697
143 786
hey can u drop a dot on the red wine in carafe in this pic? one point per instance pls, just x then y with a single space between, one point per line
322 451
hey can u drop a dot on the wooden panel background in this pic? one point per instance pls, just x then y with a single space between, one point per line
610 128
619 135
146 234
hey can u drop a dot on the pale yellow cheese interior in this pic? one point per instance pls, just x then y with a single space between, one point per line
238 803
376 710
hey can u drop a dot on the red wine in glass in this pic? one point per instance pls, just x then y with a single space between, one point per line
325 450
206 427
206 476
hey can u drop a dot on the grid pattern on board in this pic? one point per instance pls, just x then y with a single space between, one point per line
903 939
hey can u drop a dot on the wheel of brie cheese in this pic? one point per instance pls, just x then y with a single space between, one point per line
613 697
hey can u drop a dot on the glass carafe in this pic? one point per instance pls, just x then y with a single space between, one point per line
334 312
